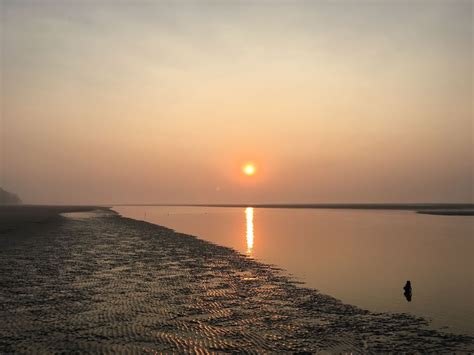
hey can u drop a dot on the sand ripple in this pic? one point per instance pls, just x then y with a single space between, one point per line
102 283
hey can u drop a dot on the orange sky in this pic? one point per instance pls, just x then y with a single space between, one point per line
334 101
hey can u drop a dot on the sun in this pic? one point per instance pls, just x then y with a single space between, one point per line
249 169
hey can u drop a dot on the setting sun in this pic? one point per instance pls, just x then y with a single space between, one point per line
249 169
219 162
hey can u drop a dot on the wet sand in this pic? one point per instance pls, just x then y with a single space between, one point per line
97 282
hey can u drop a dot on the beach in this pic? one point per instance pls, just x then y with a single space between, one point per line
97 282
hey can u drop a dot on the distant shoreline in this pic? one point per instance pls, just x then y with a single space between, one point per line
448 212
14 216
451 209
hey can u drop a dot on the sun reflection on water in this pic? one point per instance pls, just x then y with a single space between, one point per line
249 234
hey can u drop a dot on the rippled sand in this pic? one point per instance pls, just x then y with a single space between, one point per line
96 282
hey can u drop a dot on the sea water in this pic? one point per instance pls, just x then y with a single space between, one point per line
363 257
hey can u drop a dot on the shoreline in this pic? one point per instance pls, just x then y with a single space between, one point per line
14 216
453 209
132 282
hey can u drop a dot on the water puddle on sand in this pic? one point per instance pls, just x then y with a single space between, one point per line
79 216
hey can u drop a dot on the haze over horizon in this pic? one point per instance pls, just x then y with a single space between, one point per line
143 102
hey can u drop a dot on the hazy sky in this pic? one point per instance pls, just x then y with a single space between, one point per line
163 101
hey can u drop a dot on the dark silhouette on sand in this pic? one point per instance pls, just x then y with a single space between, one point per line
407 289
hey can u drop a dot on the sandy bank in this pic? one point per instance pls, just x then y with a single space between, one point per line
15 216
97 282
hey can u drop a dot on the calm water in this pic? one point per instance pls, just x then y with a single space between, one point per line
361 257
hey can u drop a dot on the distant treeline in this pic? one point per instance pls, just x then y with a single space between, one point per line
8 198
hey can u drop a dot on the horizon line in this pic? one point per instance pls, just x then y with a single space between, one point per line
356 205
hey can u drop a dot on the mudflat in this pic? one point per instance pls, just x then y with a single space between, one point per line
97 282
